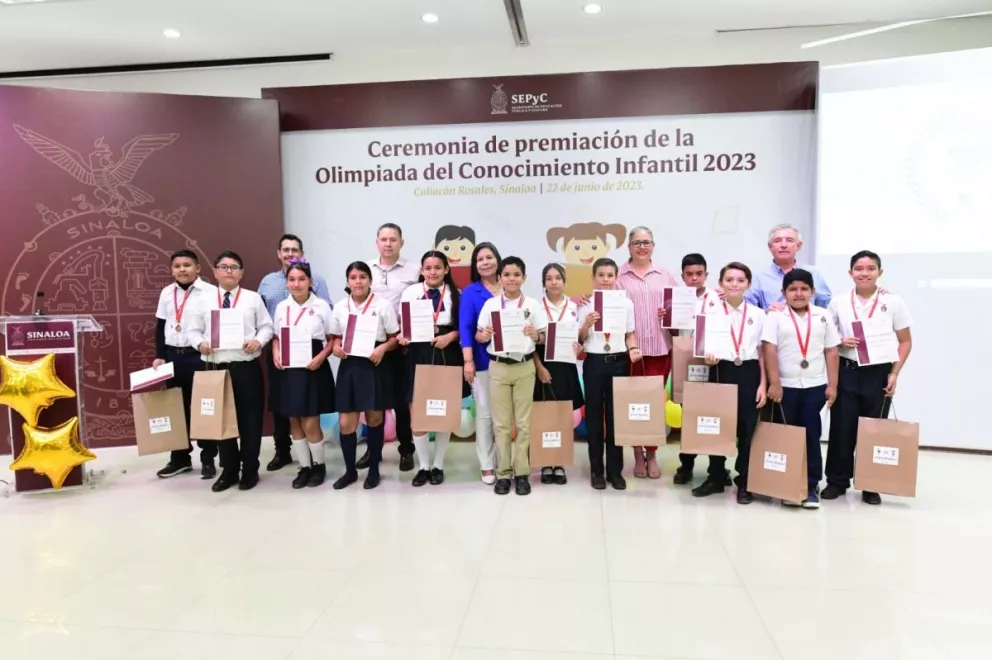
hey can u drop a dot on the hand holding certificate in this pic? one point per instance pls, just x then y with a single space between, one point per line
227 329
560 343
418 320
877 342
359 336
679 304
508 331
612 309
295 348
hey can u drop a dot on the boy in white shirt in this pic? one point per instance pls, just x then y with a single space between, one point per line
800 345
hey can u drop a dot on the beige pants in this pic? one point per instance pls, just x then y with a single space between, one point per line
511 392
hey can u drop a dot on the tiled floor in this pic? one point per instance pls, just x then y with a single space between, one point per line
145 569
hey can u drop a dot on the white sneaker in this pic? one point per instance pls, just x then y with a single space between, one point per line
489 479
791 504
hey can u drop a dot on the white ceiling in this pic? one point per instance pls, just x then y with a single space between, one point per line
84 33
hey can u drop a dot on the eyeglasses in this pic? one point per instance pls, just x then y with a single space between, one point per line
228 269
641 244
383 277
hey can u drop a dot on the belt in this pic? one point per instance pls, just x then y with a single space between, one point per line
504 360
853 364
607 357
231 365
185 350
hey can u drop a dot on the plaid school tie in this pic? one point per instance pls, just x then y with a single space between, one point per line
227 300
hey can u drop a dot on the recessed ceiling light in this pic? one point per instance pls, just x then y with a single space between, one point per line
430 18
171 33
592 8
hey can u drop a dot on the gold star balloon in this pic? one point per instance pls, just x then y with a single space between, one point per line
30 387
52 452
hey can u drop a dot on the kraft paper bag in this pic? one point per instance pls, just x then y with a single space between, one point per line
887 456
685 367
437 399
159 421
639 411
709 419
212 414
777 467
552 436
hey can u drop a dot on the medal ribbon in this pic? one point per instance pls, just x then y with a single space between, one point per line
234 304
437 310
871 312
303 310
363 309
175 302
563 310
803 348
503 301
739 339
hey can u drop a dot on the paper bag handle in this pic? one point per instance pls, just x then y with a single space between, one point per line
883 413
546 387
781 409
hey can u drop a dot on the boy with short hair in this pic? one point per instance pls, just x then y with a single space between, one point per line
801 359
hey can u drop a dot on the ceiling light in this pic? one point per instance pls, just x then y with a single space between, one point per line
171 33
429 18
592 8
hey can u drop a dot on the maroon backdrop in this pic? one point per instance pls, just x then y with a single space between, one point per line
97 188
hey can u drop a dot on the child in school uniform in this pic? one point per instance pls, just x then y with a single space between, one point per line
512 376
800 349
863 390
363 384
306 392
742 366
606 358
436 284
172 344
557 381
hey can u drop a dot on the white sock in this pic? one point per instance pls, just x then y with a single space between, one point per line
422 444
440 447
317 452
302 448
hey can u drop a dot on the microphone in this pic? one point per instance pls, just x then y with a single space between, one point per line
40 297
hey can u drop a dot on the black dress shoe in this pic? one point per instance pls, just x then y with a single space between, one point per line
346 480
709 487
225 481
437 477
208 471
502 486
279 461
421 478
173 469
832 492
728 481
599 482
523 486
248 481
371 481
869 497
406 462
547 475
318 473
302 477
618 482
682 477
363 462
560 478
744 496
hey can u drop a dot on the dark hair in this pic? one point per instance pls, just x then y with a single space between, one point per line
359 266
449 282
229 254
301 266
473 269
512 261
550 267
185 254
454 233
693 259
389 225
291 237
798 275
605 261
736 265
866 254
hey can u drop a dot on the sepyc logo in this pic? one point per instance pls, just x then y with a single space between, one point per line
502 103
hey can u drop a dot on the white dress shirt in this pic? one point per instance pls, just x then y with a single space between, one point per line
570 316
378 307
596 341
390 282
167 310
533 315
891 310
705 302
780 330
419 290
257 322
316 316
750 344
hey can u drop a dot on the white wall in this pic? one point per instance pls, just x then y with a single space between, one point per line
738 48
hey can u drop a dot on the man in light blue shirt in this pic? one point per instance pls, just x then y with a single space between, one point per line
784 242
273 291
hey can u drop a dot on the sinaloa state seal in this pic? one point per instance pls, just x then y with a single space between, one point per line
106 256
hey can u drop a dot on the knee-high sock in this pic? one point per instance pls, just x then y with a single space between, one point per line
349 442
302 448
422 443
317 452
441 441
374 441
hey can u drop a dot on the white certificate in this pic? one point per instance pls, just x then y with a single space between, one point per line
296 347
713 337
879 344
560 338
418 320
227 329
359 336
152 376
680 308
612 308
508 331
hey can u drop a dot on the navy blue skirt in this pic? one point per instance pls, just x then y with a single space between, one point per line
364 386
305 393
564 385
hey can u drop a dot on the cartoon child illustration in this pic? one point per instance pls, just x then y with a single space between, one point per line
580 245
457 244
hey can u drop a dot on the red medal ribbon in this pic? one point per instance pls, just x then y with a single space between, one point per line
303 310
739 339
437 311
368 302
563 310
234 304
503 301
803 348
175 302
871 312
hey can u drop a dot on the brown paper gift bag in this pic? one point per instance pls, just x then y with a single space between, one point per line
437 399
685 367
887 457
212 414
159 421
639 411
552 436
709 419
777 466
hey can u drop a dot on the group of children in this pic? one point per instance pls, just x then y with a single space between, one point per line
788 357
